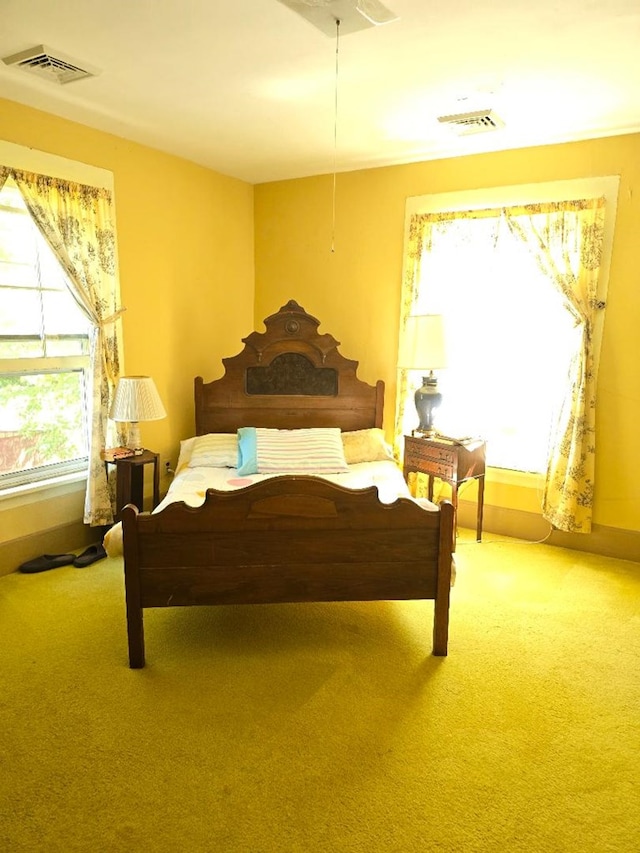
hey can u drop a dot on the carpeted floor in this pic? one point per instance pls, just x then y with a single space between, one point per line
328 727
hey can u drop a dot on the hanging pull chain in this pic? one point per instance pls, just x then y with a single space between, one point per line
335 140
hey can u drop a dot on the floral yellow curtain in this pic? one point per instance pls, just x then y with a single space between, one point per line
78 223
567 241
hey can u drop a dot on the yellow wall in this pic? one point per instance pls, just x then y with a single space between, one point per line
185 243
186 253
355 290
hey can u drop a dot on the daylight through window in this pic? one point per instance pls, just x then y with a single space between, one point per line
44 355
510 340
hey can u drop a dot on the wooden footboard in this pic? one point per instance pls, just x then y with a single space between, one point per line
287 539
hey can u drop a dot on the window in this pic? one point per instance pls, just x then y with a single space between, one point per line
510 339
44 355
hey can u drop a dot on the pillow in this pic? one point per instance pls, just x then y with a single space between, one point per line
282 451
214 450
184 456
365 445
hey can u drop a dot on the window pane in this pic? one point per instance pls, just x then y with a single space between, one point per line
16 275
62 314
42 420
21 312
16 235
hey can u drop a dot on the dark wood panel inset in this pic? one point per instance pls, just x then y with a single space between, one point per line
292 374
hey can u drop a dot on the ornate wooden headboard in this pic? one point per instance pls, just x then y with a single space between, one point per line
288 377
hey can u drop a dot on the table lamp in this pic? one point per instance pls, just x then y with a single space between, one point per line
136 399
423 348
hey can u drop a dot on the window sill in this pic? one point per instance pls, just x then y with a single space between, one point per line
507 477
43 489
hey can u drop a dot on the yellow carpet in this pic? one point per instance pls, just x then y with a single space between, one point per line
328 727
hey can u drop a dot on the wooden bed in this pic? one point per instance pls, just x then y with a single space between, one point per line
292 538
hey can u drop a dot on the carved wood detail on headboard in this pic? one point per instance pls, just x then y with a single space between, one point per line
292 373
290 325
288 377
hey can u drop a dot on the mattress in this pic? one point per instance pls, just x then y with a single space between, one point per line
190 486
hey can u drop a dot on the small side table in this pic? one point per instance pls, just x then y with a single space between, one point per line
130 478
451 460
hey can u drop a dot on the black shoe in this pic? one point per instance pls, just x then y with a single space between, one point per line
46 562
88 556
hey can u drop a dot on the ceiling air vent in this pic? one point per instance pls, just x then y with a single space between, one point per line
479 121
56 68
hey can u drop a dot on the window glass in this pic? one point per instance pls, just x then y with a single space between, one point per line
509 341
44 346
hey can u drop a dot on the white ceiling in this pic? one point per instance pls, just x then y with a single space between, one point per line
248 87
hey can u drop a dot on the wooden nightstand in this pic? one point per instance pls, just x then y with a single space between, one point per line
451 460
130 478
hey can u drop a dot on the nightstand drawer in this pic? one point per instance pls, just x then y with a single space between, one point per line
439 461
437 469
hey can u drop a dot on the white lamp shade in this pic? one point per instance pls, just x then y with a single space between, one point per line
422 346
136 399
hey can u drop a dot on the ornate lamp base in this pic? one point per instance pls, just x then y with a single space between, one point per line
427 400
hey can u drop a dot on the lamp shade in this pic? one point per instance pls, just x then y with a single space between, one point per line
422 346
136 399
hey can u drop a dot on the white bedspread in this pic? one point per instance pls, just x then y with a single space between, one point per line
191 484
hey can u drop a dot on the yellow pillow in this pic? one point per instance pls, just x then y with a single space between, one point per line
365 445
